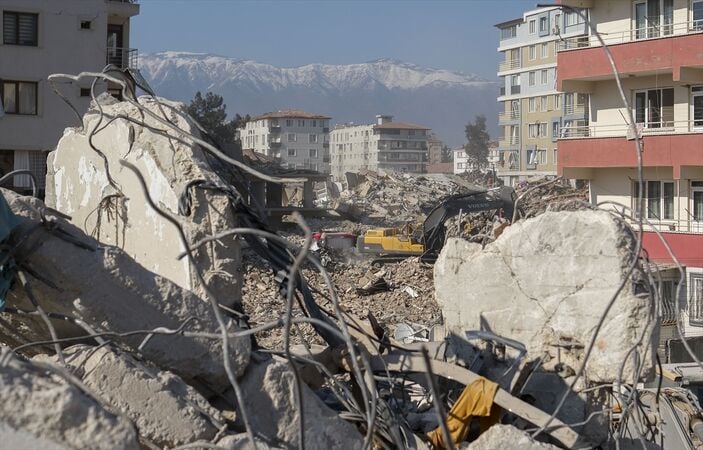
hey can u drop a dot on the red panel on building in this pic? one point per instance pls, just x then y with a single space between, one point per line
663 55
688 248
673 150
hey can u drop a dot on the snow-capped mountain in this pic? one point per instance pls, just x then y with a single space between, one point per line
440 99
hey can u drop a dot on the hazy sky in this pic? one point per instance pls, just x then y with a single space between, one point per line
457 35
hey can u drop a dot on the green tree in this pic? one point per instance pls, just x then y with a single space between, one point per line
477 138
211 112
447 154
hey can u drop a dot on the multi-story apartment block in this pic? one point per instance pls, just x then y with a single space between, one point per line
384 145
657 47
532 109
434 149
42 37
299 140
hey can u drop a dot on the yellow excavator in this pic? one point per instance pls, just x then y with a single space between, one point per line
393 244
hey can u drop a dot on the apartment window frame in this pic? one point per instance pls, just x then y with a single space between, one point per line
544 24
555 129
667 288
555 155
508 32
545 50
544 103
697 207
312 139
532 51
544 76
532 26
659 207
34 42
301 123
533 130
289 122
531 78
532 104
659 12
542 129
17 101
647 112
696 15
557 102
542 156
695 309
697 110
292 152
313 153
292 137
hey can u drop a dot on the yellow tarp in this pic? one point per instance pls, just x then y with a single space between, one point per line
475 401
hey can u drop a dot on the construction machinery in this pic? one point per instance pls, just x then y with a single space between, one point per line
393 244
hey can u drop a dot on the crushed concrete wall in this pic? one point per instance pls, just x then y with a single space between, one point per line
166 411
78 185
503 437
546 282
37 409
110 291
270 398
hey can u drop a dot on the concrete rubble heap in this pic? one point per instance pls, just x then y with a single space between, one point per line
116 343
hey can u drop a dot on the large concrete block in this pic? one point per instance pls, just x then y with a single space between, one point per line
503 437
36 409
110 291
270 398
78 185
546 282
165 410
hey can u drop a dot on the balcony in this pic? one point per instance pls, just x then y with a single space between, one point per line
511 116
510 64
274 128
678 145
512 141
578 110
122 8
674 51
123 57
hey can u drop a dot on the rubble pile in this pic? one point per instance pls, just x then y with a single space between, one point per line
385 198
147 309
541 194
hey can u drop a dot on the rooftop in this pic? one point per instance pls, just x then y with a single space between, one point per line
290 113
399 126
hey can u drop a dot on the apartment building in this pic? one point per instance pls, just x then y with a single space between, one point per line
532 109
42 37
434 149
298 139
387 145
656 45
463 164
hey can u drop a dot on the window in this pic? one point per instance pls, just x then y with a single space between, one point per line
653 18
313 153
532 26
314 124
292 152
292 137
555 130
542 130
301 122
85 92
532 76
312 138
531 156
544 103
697 198
19 97
667 293
572 18
20 28
697 106
532 104
533 130
86 24
557 101
697 12
654 108
555 156
542 156
659 199
695 308
533 52
289 122
543 77
543 25
545 50
508 32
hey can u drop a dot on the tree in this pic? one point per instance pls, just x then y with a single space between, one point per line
447 154
477 139
211 112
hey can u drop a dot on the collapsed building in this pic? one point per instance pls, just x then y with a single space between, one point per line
143 295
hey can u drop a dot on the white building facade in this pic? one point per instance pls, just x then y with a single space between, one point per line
386 145
299 140
42 37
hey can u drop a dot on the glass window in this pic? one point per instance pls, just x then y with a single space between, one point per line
697 105
557 101
292 152
668 200
312 138
545 50
653 200
697 8
532 26
291 137
19 28
555 130
543 25
654 108
695 310
697 197
19 97
532 77
533 52
313 153
532 103
289 122
545 103
544 76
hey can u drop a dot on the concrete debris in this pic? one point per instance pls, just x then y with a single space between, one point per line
500 437
37 409
242 442
549 280
166 411
540 194
110 291
269 389
110 205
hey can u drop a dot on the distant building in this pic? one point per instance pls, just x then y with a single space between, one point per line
532 109
440 168
386 145
297 139
40 38
434 149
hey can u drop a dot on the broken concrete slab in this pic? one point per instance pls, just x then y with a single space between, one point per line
270 398
501 437
242 442
166 411
110 291
546 282
105 200
37 408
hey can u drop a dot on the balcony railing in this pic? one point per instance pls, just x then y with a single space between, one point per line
509 142
123 57
510 64
507 116
575 109
274 128
623 130
682 225
631 35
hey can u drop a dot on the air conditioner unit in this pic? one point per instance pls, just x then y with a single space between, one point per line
556 30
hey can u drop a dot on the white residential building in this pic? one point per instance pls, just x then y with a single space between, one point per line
384 145
42 37
461 161
299 140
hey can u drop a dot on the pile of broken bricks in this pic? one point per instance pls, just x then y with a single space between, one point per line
112 338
